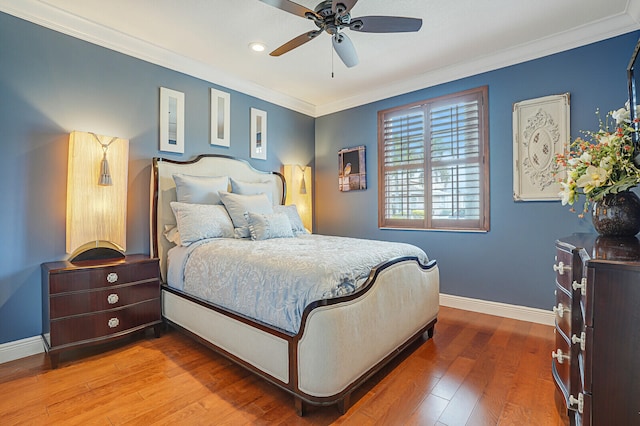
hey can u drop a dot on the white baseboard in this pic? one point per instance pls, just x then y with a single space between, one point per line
522 313
11 351
33 345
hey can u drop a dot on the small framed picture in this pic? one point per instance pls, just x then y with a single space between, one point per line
258 134
352 174
220 118
171 120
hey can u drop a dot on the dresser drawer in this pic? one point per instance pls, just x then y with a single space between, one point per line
562 365
68 304
562 311
563 268
95 278
73 330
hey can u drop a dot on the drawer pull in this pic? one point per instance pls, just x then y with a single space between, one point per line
112 299
582 285
561 267
582 340
579 401
560 310
113 322
559 356
112 277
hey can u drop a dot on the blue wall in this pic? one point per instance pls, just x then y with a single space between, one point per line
511 263
51 84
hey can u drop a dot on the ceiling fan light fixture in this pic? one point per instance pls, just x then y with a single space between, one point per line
256 46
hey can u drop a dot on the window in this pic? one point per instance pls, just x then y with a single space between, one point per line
433 160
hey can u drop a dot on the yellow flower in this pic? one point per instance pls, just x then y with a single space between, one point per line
568 193
594 177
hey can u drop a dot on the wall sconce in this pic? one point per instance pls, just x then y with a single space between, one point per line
97 196
299 192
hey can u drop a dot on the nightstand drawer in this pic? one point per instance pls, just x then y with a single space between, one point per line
68 304
94 278
89 327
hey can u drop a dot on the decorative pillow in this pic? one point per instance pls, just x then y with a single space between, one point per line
266 226
199 221
292 213
237 205
200 189
252 188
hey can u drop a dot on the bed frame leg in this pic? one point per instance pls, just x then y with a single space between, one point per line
429 333
344 403
299 405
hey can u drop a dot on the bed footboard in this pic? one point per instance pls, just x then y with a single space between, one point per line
345 343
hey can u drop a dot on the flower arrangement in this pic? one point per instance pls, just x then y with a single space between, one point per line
602 162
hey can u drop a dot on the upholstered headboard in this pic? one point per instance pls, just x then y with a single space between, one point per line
163 191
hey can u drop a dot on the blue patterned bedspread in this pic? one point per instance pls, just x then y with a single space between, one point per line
273 280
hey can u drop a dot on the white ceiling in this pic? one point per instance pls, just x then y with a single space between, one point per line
209 39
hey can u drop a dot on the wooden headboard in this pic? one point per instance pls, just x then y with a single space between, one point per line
163 191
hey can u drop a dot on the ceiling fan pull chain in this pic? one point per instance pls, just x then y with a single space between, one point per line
333 54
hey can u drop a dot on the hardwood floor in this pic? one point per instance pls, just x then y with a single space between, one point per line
477 370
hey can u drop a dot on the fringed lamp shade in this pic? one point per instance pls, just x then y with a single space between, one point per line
96 196
299 192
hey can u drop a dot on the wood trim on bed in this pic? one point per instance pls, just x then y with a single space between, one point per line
342 399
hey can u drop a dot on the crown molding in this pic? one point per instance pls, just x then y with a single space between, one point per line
63 22
58 20
581 36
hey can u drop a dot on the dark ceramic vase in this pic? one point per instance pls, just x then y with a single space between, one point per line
617 214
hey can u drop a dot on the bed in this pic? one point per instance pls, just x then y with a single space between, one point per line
335 343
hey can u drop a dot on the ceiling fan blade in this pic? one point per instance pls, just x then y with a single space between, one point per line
343 6
293 43
291 7
385 24
345 50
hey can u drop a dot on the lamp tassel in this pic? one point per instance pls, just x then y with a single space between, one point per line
303 184
105 176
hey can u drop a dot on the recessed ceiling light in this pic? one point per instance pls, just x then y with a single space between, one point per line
256 46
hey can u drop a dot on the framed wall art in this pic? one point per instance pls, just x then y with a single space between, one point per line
540 131
352 174
220 118
171 120
258 134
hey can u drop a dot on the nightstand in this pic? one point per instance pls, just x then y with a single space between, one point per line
93 301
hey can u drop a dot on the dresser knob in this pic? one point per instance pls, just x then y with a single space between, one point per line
561 267
582 340
582 285
560 310
113 322
579 401
112 277
112 299
559 356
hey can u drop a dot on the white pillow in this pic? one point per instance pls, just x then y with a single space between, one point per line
237 205
294 218
252 188
200 189
266 226
199 221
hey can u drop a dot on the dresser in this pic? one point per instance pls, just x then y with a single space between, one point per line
596 361
93 301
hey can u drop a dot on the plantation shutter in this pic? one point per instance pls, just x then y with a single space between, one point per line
433 164
404 164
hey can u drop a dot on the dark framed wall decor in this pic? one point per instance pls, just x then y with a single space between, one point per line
352 173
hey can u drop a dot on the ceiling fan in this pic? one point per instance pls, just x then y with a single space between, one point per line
333 16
